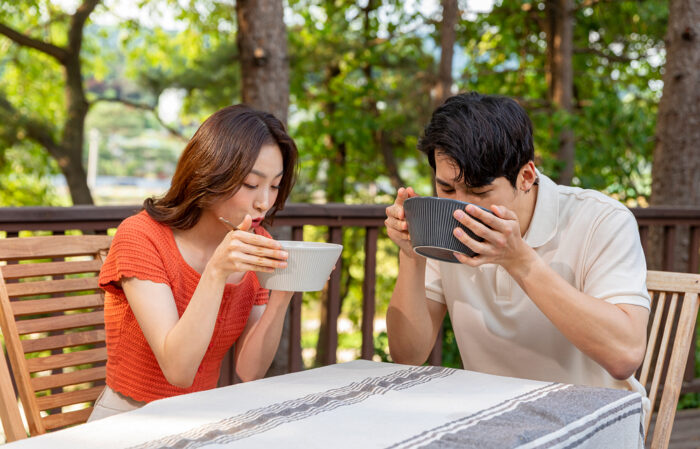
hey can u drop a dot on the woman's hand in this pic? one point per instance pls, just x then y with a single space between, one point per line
396 225
242 251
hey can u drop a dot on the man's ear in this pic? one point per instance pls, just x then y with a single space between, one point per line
527 177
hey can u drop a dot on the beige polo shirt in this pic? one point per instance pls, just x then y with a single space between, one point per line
593 242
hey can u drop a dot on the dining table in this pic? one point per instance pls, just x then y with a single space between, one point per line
367 404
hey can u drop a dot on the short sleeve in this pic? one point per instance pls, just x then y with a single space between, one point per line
614 262
433 281
261 296
136 251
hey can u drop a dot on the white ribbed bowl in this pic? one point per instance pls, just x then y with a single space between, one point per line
308 266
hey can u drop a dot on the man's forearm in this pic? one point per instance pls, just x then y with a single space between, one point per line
410 327
609 334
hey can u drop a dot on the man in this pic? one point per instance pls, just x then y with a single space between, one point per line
557 292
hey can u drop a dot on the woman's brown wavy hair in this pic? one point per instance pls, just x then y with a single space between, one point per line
217 160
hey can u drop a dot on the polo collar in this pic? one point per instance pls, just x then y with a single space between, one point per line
545 219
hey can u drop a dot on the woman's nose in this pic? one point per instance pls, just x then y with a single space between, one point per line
262 203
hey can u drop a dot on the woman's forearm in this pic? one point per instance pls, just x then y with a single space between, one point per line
186 343
256 348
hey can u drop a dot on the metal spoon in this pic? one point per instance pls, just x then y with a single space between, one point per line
229 224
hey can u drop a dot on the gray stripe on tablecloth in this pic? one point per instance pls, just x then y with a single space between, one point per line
531 420
265 418
476 418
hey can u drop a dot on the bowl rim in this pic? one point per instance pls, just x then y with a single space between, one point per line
448 200
310 245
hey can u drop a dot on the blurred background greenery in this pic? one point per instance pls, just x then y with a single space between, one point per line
97 100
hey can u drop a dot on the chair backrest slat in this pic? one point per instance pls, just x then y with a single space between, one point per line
658 306
52 287
56 307
685 332
61 304
72 397
40 383
63 341
16 271
665 360
661 354
30 248
9 411
60 420
51 362
61 322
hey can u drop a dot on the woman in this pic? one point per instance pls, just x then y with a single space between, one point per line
180 284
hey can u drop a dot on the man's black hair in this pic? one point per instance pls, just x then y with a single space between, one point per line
487 136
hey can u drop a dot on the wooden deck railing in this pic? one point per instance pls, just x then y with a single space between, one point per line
337 217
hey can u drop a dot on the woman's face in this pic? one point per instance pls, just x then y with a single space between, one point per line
259 190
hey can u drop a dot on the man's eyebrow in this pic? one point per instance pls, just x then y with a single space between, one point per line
442 183
262 175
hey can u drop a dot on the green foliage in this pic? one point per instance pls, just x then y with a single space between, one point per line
25 171
618 52
361 76
450 350
350 72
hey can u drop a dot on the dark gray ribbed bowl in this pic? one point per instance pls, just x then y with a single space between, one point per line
430 224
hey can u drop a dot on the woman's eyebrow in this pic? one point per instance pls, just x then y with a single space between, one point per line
263 175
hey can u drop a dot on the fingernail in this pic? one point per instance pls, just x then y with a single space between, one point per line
459 214
459 232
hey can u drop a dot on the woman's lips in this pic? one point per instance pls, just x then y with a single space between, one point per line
257 221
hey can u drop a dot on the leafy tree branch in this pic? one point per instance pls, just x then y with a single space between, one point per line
145 107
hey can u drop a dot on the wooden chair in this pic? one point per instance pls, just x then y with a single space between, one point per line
52 321
674 310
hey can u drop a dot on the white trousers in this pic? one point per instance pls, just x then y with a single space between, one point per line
111 402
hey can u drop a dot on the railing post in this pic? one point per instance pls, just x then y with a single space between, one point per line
435 357
644 237
333 309
694 250
669 247
295 318
368 292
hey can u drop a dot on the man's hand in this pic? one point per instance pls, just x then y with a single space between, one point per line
502 243
396 225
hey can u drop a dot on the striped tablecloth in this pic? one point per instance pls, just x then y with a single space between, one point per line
364 404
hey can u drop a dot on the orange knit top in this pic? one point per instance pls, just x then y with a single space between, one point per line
146 249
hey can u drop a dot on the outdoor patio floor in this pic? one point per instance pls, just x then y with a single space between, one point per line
686 430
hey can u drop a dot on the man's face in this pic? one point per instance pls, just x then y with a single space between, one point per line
500 192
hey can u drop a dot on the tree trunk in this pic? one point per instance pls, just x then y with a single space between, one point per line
676 167
560 78
443 88
74 132
68 153
381 138
262 44
335 193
